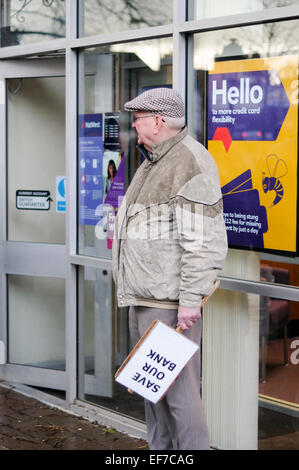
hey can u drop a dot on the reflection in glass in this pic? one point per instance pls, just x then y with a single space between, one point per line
261 47
36 319
267 40
27 21
199 9
222 52
120 15
279 373
107 161
104 344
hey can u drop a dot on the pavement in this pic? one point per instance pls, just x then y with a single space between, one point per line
28 424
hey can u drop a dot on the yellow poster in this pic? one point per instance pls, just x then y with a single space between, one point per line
253 134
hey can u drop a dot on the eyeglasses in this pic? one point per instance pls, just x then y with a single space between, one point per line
134 119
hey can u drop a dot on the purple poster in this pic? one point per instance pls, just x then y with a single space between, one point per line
114 189
90 172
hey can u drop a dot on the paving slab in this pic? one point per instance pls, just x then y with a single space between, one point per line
27 424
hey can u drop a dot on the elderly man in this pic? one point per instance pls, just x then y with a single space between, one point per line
170 244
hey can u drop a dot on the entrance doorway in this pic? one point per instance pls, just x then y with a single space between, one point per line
33 214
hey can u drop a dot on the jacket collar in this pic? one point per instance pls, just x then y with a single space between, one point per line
160 149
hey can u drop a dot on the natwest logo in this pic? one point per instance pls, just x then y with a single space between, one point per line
90 125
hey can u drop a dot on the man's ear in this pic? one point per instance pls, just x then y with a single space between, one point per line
158 124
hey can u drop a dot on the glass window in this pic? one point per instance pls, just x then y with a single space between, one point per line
279 373
107 155
28 21
104 344
245 84
199 9
36 320
251 344
36 159
97 17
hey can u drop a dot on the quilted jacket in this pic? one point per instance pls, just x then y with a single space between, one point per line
170 240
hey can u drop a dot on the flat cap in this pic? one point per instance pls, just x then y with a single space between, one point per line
164 101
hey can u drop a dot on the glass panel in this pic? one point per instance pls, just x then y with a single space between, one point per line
119 15
248 340
110 76
36 321
36 159
243 105
199 9
104 344
27 21
279 374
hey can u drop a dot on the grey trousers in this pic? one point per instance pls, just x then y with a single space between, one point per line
177 421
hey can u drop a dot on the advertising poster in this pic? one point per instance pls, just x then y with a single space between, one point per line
101 172
90 167
253 136
114 191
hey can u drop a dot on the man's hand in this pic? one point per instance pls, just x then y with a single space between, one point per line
187 316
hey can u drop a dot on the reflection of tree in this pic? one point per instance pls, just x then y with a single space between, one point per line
265 40
22 6
33 19
102 16
282 38
128 8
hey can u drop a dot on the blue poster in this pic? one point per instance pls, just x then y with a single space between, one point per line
90 165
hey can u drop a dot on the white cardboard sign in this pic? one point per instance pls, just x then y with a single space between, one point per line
156 361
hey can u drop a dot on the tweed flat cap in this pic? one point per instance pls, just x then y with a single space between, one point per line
164 101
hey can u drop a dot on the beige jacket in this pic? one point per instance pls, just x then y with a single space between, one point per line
170 240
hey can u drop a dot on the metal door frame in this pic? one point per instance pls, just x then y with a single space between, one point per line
20 258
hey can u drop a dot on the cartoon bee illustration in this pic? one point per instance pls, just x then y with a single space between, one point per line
272 182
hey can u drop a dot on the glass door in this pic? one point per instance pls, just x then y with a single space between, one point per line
107 160
33 211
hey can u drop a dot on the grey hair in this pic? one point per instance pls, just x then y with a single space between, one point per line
174 123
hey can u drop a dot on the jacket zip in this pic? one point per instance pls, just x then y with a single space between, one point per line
146 171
